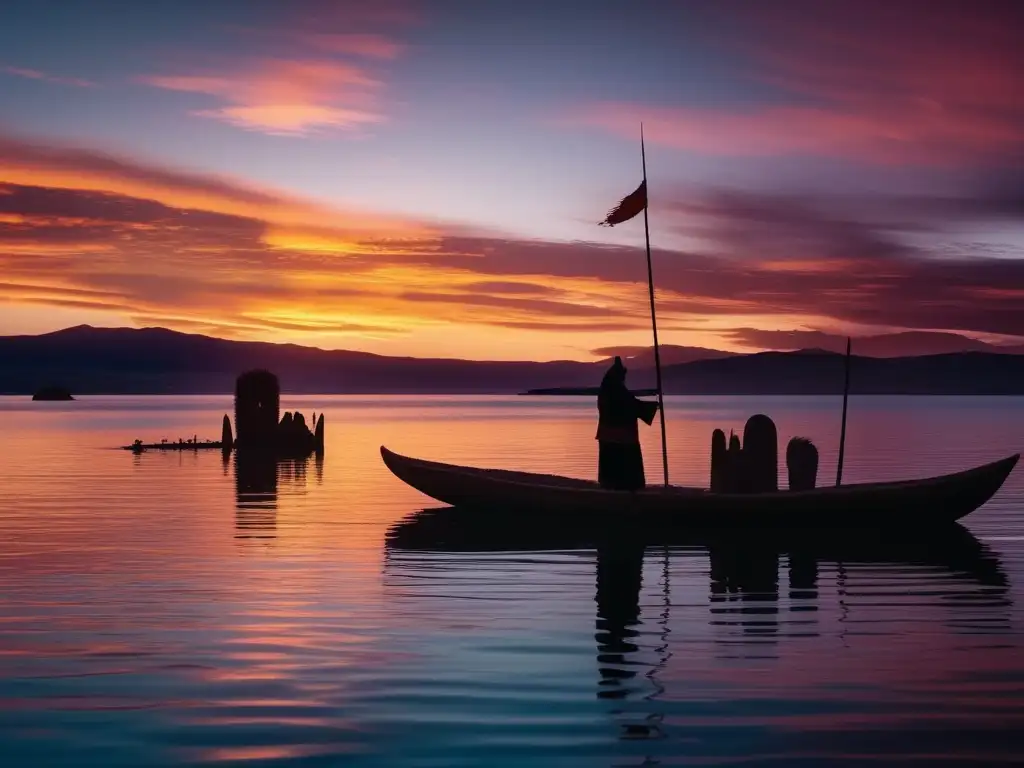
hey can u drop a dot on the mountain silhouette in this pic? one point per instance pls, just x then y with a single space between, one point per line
901 344
671 354
159 361
821 373
92 360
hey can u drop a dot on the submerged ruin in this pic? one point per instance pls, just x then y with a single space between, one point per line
257 428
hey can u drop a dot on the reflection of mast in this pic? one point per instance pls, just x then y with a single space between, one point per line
662 650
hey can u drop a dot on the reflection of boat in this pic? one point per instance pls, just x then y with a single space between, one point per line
944 498
442 553
950 548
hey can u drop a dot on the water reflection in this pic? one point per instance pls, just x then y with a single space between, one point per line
619 566
257 475
759 591
745 572
738 565
619 579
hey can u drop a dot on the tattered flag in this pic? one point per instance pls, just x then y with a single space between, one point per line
629 206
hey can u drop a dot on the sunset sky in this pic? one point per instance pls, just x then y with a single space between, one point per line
425 178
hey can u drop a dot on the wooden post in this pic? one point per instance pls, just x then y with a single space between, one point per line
842 433
654 319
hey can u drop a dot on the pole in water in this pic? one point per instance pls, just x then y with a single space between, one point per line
654 319
842 433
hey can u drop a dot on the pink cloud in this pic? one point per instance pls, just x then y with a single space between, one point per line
285 96
921 133
882 84
314 72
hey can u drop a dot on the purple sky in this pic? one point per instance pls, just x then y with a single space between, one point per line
426 177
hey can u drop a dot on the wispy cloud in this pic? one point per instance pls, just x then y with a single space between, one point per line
151 242
921 133
879 83
285 97
94 232
35 74
71 168
318 73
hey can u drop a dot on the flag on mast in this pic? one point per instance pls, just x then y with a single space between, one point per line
630 206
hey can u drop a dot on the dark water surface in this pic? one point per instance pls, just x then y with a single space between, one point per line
161 610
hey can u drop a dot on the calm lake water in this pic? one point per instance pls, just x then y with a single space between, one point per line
152 615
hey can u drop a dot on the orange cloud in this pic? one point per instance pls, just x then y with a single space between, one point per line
285 97
29 248
192 250
152 245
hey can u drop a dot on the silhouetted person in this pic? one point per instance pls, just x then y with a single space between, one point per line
620 464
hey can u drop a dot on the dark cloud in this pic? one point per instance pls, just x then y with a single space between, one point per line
512 288
537 306
853 260
877 261
582 327
101 209
56 291
892 84
88 162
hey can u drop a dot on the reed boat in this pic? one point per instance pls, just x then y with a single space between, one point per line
924 501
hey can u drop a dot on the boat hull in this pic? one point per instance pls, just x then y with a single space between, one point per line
945 498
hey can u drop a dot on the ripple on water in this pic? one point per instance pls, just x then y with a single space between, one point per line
168 609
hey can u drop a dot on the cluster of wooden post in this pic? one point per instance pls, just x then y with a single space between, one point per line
752 465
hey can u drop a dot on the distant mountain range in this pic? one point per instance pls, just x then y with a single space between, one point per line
671 354
903 344
89 360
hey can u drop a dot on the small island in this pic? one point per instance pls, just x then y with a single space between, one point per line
52 394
